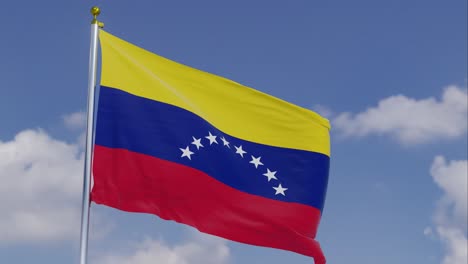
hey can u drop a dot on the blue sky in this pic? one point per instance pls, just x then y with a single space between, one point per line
390 75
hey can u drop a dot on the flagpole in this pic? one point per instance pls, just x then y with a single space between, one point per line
95 11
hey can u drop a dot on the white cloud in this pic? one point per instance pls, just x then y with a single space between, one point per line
40 188
323 111
456 245
453 180
202 249
409 120
428 232
75 120
450 216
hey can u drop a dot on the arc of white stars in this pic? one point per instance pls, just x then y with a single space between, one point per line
197 142
280 190
186 152
225 142
256 161
270 175
240 151
211 138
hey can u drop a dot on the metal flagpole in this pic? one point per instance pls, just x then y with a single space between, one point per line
95 11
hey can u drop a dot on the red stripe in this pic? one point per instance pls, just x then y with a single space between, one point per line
136 182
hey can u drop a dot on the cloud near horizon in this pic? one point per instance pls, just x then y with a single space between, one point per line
200 249
41 180
76 120
409 120
450 216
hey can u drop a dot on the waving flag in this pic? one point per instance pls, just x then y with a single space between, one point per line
208 152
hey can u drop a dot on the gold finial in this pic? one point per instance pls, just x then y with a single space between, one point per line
95 11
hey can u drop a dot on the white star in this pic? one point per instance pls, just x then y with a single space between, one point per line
280 189
270 174
211 138
186 153
225 142
256 161
197 142
240 151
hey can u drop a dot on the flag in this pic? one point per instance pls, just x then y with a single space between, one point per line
202 150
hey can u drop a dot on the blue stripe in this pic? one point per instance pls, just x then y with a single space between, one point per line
160 130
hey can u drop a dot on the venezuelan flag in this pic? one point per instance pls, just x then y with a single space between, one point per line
208 152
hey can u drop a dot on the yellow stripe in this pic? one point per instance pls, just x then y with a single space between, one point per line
231 107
